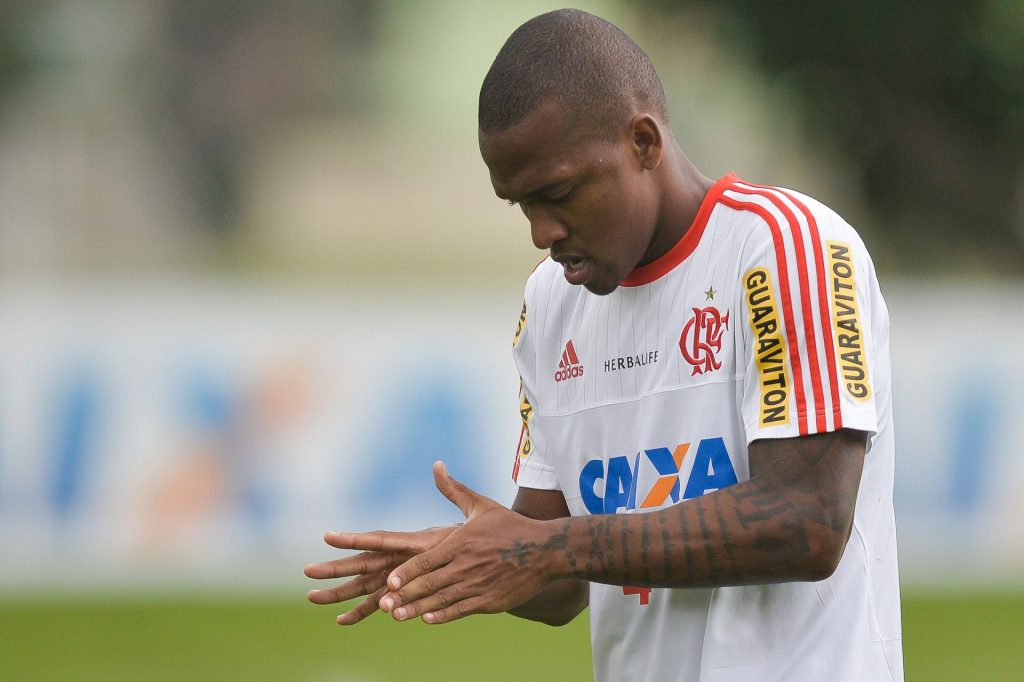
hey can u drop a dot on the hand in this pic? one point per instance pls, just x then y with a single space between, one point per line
370 568
492 563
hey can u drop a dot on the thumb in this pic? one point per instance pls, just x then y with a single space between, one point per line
460 495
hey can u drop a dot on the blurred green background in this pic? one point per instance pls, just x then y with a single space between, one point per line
182 180
947 636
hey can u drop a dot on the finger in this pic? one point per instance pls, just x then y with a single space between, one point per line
362 610
376 541
428 592
419 565
357 587
460 495
460 609
360 564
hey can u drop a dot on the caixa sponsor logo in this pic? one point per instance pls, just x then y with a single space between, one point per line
711 470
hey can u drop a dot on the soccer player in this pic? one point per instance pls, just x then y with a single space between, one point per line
706 457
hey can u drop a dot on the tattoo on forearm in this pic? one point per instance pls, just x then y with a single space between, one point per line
771 527
521 551
666 545
598 528
570 556
684 535
727 543
787 545
645 548
759 503
709 538
626 563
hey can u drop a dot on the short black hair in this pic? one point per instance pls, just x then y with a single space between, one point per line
585 63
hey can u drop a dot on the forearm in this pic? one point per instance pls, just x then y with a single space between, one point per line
562 600
789 522
764 530
705 542
557 604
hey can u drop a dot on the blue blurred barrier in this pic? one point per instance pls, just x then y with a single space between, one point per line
159 437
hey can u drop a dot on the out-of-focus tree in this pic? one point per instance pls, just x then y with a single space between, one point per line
926 98
230 71
15 62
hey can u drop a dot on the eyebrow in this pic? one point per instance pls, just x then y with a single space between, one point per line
539 191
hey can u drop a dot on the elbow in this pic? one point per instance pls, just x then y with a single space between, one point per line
554 617
826 552
565 614
559 619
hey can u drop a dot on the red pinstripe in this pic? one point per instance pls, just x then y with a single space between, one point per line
787 301
826 329
810 335
519 447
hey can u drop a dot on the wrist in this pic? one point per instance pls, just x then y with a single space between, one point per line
557 560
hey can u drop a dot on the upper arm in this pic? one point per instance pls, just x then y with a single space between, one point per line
817 478
542 505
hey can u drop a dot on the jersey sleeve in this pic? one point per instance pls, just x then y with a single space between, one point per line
531 468
807 342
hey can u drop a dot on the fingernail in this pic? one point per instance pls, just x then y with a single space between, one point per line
400 613
428 617
387 603
395 582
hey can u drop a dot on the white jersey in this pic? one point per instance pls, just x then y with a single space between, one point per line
764 321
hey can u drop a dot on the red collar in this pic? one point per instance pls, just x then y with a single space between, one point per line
645 274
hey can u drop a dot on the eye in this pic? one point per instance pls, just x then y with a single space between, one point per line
513 203
561 198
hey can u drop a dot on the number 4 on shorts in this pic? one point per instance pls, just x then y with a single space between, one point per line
644 592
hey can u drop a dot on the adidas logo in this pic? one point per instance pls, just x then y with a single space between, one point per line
569 367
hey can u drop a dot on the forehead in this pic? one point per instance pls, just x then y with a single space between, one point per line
544 147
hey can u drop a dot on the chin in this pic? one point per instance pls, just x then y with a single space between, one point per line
601 288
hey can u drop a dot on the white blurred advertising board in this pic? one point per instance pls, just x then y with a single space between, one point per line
207 433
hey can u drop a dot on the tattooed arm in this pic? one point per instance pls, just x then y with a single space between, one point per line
562 600
789 522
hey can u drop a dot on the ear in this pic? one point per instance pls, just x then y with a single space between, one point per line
648 141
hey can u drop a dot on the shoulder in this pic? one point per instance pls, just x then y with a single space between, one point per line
542 276
541 292
546 288
789 224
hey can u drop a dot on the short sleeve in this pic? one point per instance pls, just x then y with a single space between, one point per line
530 470
806 336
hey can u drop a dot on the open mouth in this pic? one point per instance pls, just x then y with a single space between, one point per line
577 268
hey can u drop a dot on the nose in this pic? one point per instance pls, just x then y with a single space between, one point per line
545 229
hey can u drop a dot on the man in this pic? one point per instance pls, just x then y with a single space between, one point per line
707 456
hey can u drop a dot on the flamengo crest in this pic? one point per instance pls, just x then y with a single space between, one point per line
701 339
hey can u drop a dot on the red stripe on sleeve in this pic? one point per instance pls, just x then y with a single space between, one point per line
826 319
519 447
787 301
810 338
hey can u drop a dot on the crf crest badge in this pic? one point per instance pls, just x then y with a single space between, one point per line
701 340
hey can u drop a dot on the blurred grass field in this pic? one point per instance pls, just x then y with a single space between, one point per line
957 636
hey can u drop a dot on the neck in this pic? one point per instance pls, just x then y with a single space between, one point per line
683 190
